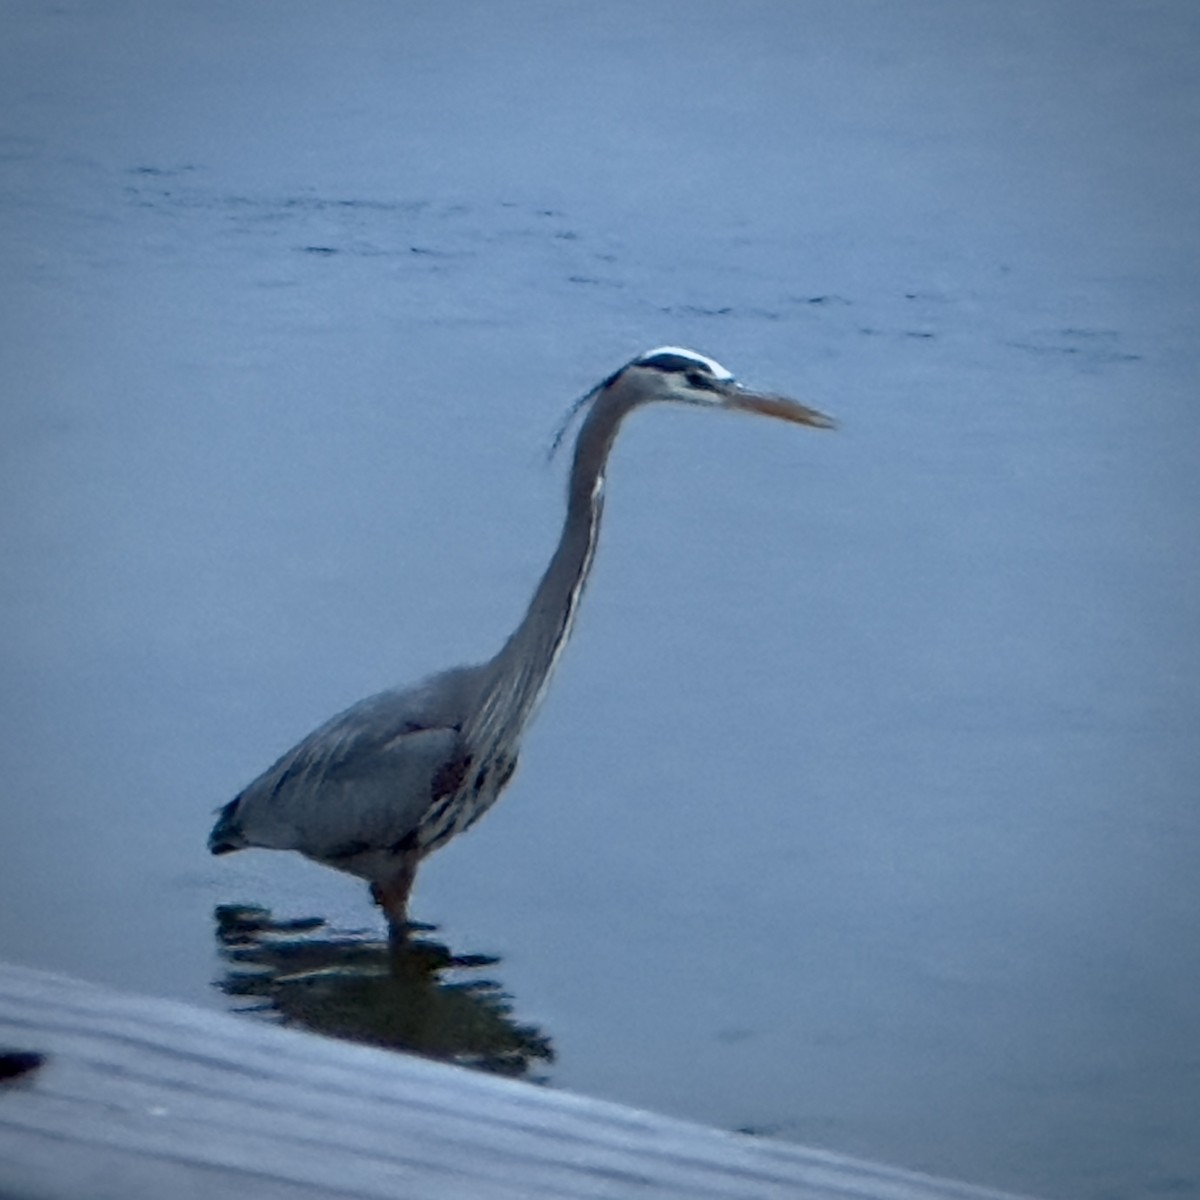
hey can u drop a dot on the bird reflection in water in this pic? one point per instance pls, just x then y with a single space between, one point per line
419 996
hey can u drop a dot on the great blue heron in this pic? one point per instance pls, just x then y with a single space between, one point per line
388 781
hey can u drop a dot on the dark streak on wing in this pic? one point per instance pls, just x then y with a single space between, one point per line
348 850
286 776
405 845
15 1064
450 777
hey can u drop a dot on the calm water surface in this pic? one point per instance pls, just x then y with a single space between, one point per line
863 810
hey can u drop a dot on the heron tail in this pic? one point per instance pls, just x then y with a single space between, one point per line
226 834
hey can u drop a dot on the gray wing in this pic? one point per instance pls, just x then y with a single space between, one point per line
360 782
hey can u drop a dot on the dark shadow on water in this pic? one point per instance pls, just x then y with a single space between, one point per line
421 997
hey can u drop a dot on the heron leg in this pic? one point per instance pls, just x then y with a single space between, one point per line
391 894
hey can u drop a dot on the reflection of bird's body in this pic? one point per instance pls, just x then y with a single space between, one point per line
386 782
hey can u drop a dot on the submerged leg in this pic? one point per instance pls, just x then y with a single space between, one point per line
391 894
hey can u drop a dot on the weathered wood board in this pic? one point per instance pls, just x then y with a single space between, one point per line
139 1097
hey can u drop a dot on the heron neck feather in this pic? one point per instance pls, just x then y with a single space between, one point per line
521 671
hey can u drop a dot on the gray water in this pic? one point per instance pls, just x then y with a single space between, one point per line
863 811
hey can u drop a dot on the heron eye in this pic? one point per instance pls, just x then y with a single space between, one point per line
698 379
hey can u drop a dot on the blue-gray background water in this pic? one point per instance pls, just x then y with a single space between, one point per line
863 811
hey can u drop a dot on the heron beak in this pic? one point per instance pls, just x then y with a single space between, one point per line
777 406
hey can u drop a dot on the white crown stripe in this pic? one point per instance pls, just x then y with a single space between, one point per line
711 364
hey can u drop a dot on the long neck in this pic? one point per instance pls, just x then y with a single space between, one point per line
520 672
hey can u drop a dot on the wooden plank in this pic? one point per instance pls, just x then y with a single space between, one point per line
139 1097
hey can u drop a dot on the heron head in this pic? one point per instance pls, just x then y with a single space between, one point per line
673 373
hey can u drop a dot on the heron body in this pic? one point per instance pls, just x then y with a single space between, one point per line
383 784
